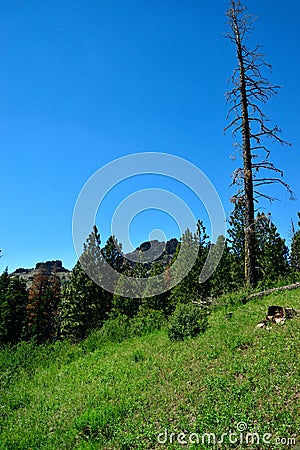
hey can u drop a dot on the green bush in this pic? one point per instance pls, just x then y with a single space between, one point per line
116 329
146 322
188 320
122 327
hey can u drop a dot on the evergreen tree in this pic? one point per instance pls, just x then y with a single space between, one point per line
91 257
272 253
112 253
42 307
84 304
236 241
295 249
129 304
223 279
111 256
13 301
270 249
189 289
151 300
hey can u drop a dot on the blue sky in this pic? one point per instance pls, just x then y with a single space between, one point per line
85 82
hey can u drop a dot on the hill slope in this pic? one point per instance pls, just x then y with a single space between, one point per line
122 395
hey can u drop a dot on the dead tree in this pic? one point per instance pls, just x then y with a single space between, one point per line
250 90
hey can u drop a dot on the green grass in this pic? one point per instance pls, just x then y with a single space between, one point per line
104 395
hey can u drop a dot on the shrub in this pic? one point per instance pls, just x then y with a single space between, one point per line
122 327
188 320
146 322
116 329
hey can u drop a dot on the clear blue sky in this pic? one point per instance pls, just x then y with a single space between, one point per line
85 82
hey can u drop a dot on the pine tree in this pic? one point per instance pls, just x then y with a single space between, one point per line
112 256
270 249
84 304
189 289
91 257
223 279
236 241
152 300
112 252
272 259
295 249
129 303
13 301
42 307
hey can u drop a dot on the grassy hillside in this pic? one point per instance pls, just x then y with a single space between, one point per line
96 395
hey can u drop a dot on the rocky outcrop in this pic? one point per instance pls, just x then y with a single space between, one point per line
171 246
49 267
151 251
21 270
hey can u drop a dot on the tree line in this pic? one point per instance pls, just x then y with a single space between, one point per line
47 311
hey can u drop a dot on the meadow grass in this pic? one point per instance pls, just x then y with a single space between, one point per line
120 395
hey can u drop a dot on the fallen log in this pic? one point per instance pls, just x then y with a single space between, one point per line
289 287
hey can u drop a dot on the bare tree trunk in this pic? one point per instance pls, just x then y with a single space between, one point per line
250 90
248 178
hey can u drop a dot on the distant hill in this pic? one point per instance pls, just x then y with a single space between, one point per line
49 267
155 250
147 252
